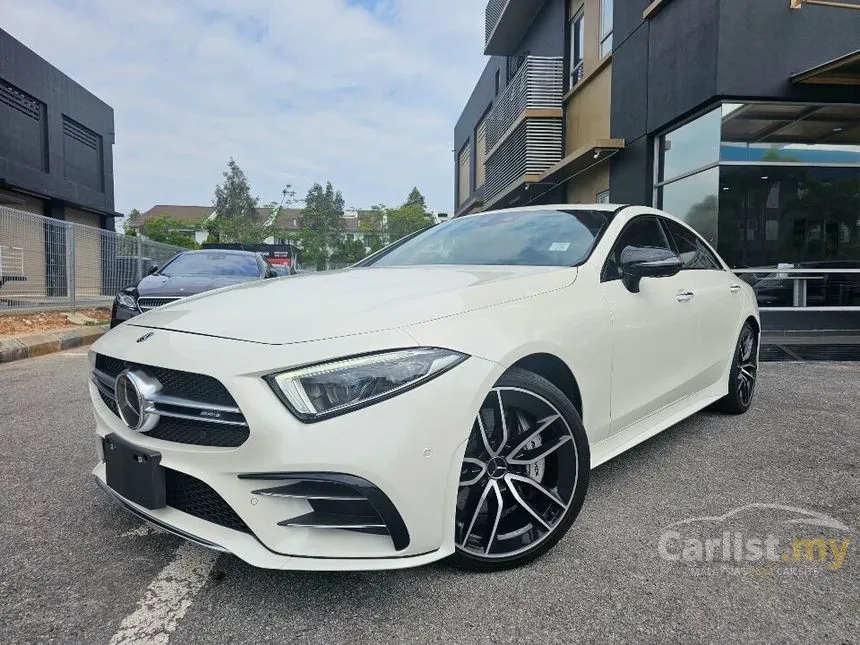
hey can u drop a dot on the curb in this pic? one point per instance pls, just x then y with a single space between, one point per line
21 347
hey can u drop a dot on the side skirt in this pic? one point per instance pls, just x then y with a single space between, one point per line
654 424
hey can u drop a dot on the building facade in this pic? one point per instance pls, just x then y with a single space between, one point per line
56 141
742 118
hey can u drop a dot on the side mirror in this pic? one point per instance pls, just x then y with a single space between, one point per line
270 273
152 270
639 262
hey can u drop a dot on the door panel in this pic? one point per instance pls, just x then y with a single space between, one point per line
654 338
717 307
654 332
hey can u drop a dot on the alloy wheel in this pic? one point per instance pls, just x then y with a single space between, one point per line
518 477
747 366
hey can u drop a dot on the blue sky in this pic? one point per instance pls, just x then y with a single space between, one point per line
364 93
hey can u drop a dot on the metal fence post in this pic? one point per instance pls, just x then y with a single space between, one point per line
139 258
70 268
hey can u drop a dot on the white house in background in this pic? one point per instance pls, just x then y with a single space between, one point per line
191 220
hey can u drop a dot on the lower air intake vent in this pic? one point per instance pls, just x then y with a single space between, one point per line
190 495
343 502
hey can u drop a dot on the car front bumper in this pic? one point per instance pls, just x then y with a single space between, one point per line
409 448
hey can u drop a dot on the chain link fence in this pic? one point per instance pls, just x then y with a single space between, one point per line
51 264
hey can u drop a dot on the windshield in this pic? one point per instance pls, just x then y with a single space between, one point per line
532 238
212 264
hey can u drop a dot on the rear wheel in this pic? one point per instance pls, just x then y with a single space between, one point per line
524 475
743 374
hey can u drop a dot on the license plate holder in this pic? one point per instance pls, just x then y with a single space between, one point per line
135 473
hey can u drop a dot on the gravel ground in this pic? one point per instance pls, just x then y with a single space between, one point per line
73 565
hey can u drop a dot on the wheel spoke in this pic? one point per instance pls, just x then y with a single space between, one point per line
510 478
529 459
477 512
482 469
504 423
543 424
484 436
525 505
501 507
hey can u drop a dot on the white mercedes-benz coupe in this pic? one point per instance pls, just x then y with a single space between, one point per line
447 396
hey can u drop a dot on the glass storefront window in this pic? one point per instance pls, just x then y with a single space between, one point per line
691 146
793 218
694 200
781 201
790 133
772 215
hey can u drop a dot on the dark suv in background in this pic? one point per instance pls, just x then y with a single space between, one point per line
188 274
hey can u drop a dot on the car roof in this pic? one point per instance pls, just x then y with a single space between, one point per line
233 251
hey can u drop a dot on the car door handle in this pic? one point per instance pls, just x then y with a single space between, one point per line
735 288
685 296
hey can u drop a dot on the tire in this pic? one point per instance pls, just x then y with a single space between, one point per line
524 475
743 373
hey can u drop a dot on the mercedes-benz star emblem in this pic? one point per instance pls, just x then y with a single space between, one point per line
134 390
146 337
497 468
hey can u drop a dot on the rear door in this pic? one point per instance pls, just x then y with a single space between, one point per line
654 332
716 303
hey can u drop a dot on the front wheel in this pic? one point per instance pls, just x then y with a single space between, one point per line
524 475
743 373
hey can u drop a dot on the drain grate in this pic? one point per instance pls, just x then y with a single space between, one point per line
820 352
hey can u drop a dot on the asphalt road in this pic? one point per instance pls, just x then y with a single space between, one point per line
75 568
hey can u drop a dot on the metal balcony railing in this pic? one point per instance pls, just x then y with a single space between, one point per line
506 22
492 14
520 147
538 84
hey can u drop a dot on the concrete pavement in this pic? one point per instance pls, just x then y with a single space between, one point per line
75 568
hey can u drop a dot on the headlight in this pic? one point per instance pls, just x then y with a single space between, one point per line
126 300
326 390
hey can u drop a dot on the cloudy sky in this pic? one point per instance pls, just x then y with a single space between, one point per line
364 93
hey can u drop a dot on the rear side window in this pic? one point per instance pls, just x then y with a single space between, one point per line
693 251
643 232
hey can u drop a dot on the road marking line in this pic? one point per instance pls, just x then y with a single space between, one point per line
141 531
167 598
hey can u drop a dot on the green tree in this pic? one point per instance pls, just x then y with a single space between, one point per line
164 229
314 249
373 229
410 217
323 213
237 219
132 221
416 199
348 252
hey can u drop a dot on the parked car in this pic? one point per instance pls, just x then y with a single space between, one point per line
446 397
284 270
188 274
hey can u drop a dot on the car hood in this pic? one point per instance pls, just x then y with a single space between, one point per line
187 285
315 306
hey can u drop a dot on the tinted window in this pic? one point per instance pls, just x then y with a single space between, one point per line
533 238
214 263
642 232
694 254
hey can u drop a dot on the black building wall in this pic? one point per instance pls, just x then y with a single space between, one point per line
56 137
692 53
545 37
479 103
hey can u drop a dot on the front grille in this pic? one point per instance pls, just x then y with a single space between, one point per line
200 395
145 304
190 495
199 433
186 385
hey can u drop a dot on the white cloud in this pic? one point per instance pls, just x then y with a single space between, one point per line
363 92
